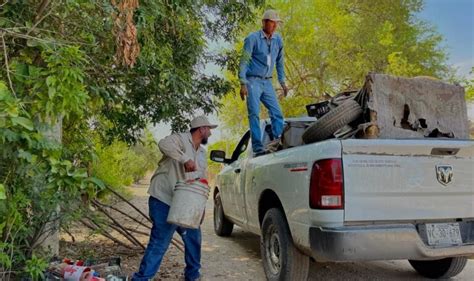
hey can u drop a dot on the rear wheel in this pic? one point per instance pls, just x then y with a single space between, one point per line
442 269
222 226
281 259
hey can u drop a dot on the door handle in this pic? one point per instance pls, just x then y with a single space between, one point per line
237 170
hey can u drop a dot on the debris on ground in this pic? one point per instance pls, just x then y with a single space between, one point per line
116 217
88 270
103 220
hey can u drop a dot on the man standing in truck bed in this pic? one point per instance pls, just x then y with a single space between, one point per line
263 50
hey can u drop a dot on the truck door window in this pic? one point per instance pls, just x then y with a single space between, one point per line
241 147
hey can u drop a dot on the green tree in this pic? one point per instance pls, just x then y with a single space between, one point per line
226 145
469 86
59 65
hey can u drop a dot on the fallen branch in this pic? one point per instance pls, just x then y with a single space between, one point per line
128 202
137 231
126 234
121 212
70 234
119 227
97 228
178 244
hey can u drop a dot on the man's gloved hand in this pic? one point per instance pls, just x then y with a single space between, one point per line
285 89
189 166
243 91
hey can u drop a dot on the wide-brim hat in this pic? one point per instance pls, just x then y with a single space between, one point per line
202 121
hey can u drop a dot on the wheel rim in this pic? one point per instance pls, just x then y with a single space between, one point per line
273 251
217 214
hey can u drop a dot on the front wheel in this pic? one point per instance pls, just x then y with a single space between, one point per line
281 260
439 269
222 226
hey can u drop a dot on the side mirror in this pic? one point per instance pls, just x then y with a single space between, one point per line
218 156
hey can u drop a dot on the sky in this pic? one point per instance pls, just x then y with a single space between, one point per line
453 19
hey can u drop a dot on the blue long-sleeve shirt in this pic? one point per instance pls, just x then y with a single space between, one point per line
260 55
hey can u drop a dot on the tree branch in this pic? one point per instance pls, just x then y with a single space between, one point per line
39 20
119 228
44 4
6 64
128 202
121 212
96 228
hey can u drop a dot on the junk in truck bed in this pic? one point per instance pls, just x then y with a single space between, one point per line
390 107
396 107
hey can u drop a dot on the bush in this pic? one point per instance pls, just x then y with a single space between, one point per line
119 165
37 179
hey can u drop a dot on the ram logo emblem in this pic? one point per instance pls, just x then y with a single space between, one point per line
444 174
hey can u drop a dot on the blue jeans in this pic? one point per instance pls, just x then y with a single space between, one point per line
160 238
262 90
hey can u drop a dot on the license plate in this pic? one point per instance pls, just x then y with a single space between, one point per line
443 234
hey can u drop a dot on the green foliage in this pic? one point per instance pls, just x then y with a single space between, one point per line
110 166
60 85
148 153
2 192
37 181
469 86
62 55
228 146
63 95
119 165
330 46
35 268
234 113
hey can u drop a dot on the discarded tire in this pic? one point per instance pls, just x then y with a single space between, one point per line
332 121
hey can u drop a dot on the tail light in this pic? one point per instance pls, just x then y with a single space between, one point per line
326 187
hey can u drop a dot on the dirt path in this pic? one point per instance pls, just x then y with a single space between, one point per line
238 257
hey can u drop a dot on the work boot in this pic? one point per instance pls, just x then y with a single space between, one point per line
273 145
259 153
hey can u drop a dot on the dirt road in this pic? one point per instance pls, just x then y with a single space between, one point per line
238 257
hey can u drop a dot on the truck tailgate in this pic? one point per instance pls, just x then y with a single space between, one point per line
386 180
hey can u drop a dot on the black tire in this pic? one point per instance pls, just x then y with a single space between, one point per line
222 226
281 260
332 121
439 269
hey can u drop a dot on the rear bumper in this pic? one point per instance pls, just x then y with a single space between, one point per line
387 242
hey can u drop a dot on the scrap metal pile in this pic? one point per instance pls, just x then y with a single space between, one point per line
389 107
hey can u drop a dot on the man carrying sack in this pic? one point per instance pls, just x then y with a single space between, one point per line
183 159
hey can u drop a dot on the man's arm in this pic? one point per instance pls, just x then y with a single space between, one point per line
173 147
280 64
280 67
245 59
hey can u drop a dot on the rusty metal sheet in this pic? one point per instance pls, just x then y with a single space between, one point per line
416 107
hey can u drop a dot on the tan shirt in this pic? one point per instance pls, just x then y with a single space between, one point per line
177 149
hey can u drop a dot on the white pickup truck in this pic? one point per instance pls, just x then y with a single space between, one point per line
352 200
